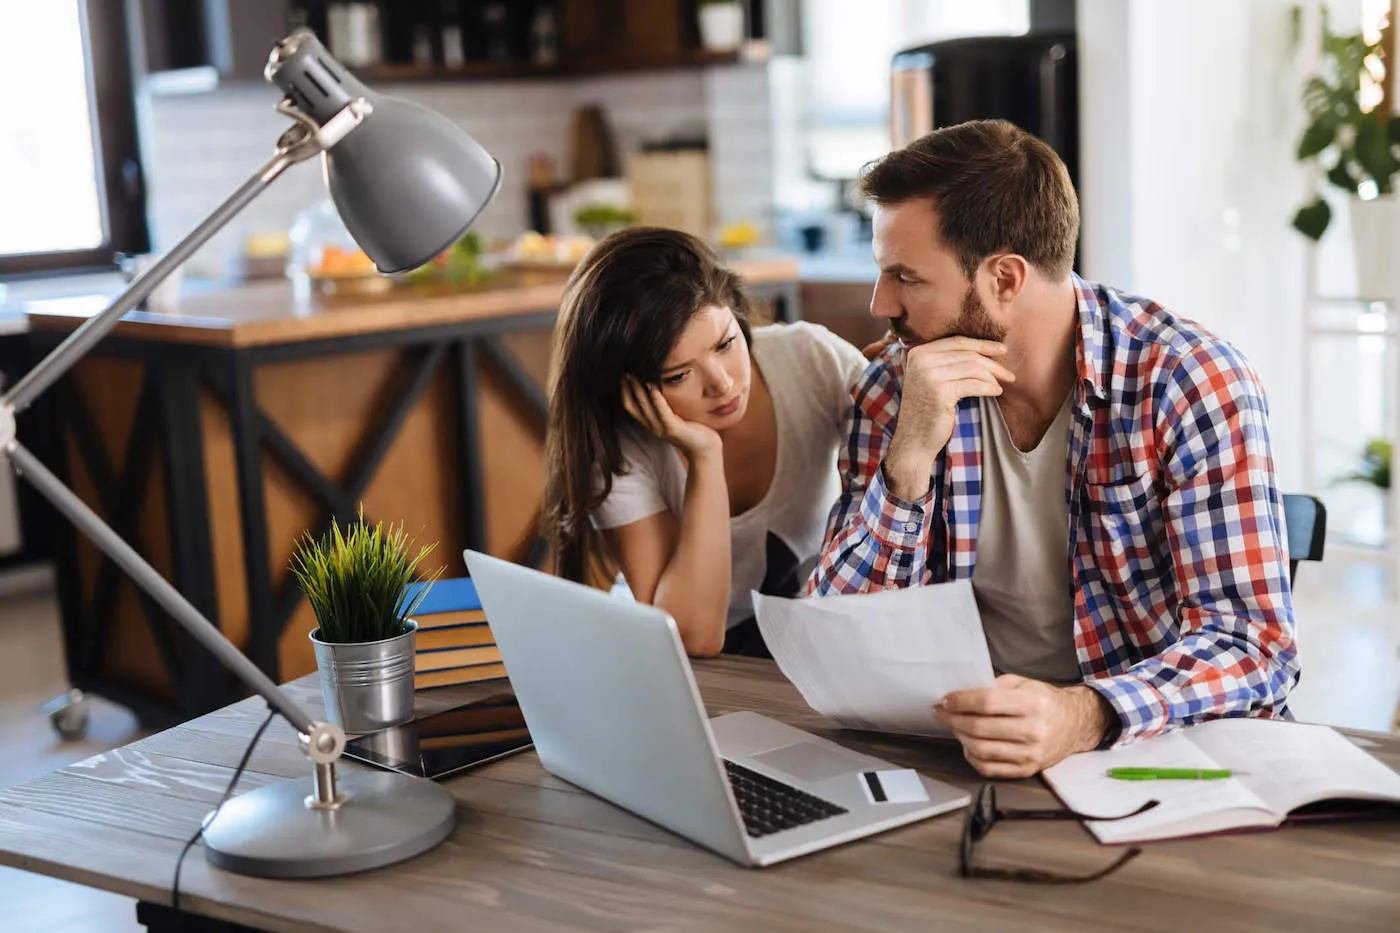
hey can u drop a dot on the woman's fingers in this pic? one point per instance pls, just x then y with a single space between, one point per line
634 400
661 409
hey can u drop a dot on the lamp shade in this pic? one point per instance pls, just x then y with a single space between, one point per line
407 182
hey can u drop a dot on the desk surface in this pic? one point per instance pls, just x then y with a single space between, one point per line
269 313
532 852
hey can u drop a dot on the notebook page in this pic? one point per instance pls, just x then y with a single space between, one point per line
1184 808
879 661
1289 764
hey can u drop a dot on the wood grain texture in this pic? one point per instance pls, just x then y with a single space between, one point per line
267 313
533 852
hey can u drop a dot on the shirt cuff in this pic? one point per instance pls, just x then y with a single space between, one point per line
898 524
1140 708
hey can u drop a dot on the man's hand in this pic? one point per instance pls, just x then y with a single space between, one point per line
937 376
1020 727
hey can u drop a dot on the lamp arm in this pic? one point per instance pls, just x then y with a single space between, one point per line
323 742
303 140
52 367
145 576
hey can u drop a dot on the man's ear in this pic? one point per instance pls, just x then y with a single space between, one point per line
1009 274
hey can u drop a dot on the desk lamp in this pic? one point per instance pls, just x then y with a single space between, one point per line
408 183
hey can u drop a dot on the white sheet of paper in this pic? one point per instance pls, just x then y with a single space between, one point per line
879 661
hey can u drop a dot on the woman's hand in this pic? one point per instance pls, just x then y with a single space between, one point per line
872 350
646 404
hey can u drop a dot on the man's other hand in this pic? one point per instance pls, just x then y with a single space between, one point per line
1020 727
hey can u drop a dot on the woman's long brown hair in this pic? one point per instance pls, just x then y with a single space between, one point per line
624 308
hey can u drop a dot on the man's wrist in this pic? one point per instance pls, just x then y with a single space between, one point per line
908 473
1093 717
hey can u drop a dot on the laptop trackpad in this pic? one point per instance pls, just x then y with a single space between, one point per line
808 761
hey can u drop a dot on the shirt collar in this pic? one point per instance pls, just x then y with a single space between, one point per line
1095 366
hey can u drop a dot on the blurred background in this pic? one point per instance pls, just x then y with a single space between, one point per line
1235 161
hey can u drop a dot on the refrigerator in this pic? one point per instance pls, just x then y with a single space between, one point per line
1030 80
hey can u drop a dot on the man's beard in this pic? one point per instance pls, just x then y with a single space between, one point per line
974 321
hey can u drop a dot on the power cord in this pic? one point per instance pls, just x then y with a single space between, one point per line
228 792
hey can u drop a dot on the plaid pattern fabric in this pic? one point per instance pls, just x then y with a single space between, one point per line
1178 553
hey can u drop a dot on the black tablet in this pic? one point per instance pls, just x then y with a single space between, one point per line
447 742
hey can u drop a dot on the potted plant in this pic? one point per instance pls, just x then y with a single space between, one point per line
364 642
1374 470
1375 464
1360 149
600 220
721 25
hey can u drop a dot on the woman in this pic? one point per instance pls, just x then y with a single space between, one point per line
697 454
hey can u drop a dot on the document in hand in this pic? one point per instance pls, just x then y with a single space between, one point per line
879 661
1279 767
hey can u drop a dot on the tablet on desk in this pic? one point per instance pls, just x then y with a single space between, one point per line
447 742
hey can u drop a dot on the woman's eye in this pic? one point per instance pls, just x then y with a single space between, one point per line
673 380
728 343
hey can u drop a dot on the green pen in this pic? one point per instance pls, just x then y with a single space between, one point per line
1168 774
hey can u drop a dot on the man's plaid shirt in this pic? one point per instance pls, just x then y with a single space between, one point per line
1177 549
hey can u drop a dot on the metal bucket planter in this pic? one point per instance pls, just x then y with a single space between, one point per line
368 685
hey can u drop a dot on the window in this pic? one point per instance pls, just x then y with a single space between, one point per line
70 182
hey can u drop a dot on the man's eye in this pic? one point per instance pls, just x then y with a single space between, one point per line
906 280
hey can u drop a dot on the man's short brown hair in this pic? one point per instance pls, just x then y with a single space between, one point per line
996 188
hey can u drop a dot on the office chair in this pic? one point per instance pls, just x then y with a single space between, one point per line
1306 518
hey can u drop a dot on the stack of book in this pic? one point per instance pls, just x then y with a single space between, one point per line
454 644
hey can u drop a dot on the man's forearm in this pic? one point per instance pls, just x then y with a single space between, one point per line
908 469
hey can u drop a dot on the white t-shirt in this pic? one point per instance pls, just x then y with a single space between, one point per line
1022 576
809 371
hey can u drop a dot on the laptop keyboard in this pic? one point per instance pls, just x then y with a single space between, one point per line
770 806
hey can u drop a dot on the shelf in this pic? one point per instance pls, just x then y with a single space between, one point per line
467 71
516 70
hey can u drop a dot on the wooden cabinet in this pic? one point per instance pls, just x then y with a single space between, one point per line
234 37
603 35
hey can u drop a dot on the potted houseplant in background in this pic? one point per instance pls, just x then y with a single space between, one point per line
721 25
1356 138
602 220
364 642
1375 467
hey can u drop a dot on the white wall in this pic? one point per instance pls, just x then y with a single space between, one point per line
201 147
1189 118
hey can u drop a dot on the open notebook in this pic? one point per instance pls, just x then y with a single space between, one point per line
1285 766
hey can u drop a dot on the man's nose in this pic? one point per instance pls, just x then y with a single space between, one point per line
883 301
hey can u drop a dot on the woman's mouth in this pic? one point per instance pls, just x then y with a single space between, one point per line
728 408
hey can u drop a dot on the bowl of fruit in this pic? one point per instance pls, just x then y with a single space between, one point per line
342 271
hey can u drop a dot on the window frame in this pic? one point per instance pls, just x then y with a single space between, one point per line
121 185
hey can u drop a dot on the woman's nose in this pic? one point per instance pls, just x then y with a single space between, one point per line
718 382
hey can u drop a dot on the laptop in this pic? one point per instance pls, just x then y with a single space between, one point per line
610 701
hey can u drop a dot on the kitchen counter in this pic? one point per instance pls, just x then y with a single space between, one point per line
212 438
269 313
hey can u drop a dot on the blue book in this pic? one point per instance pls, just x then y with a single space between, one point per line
454 595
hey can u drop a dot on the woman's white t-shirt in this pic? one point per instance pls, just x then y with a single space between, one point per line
809 371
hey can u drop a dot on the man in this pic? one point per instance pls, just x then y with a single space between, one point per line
1099 467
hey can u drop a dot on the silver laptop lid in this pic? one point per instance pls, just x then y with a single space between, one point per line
610 701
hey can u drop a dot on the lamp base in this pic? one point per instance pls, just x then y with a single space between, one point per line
271 832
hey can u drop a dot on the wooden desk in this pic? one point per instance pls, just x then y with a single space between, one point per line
531 852
213 438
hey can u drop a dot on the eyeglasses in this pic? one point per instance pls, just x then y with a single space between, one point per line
985 814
